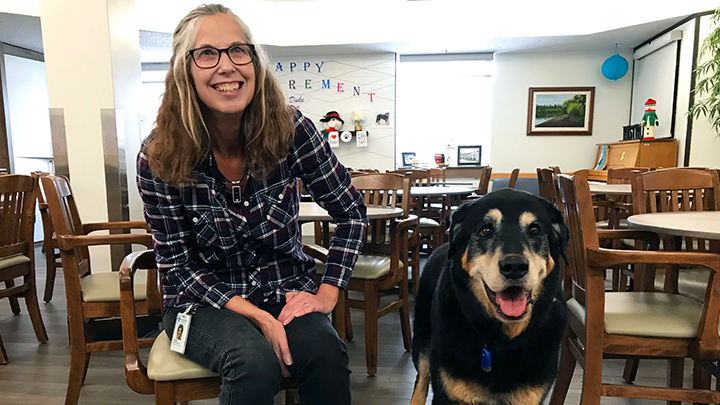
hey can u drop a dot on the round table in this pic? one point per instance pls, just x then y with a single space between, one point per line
310 211
704 224
612 189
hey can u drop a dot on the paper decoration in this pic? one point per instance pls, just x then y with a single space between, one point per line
334 139
346 136
361 138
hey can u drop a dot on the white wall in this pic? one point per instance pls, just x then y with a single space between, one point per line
705 143
516 72
371 73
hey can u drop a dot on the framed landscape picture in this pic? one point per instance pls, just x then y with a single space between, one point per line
469 155
560 110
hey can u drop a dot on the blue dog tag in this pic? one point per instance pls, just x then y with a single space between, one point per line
486 360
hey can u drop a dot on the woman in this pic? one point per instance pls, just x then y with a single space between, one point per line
218 182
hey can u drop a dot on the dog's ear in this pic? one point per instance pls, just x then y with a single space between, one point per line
560 235
456 222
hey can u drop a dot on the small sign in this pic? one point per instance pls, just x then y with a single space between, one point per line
346 136
334 139
361 138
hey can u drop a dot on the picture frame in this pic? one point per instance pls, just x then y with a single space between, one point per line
407 158
469 155
382 119
560 110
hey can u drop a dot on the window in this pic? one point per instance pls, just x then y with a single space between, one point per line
441 103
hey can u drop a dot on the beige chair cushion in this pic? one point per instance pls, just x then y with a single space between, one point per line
604 224
428 223
647 314
367 267
165 365
13 261
691 282
98 287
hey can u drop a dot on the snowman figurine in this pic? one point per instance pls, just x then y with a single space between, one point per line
650 119
332 122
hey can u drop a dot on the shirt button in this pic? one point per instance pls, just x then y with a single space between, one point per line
265 300
254 283
280 196
195 220
246 203
268 217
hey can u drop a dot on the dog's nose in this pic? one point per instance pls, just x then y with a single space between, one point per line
513 267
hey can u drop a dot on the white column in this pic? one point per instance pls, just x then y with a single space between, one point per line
92 60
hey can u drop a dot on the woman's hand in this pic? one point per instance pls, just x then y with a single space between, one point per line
274 333
271 328
298 304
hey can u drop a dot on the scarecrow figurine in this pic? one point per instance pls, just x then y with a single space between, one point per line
332 122
650 119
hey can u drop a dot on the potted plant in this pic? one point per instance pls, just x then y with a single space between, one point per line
707 88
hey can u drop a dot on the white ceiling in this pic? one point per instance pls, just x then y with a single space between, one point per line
295 27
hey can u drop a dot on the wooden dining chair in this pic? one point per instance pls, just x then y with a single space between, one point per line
629 324
546 185
513 177
17 251
484 176
49 246
437 175
168 375
382 264
93 298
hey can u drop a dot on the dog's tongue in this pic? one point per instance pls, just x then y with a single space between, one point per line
512 301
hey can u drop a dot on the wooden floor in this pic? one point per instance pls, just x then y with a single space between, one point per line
37 373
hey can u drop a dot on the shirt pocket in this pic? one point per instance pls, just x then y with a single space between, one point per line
213 233
280 211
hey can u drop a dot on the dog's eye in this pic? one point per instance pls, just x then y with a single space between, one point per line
486 231
534 230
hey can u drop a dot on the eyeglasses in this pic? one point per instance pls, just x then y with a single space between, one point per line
208 57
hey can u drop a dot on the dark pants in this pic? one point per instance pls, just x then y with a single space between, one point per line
227 343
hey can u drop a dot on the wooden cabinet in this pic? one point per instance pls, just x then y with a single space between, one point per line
640 153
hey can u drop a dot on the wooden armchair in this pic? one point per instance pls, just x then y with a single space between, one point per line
168 375
50 246
93 299
382 264
630 324
17 252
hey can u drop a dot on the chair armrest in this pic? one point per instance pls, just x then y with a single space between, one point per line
69 242
651 238
707 342
605 258
316 252
99 226
135 371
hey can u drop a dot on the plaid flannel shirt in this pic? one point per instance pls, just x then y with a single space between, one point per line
208 251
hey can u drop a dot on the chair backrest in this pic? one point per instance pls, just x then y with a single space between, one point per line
547 185
623 175
417 177
48 229
381 190
513 177
484 175
437 176
17 214
574 193
65 215
676 189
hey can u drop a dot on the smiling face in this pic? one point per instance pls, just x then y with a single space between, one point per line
509 239
227 88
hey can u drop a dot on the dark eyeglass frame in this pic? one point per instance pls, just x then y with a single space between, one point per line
251 52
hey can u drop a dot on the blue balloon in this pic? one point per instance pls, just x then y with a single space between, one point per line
614 67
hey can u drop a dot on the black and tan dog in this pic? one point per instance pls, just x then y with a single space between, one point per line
489 312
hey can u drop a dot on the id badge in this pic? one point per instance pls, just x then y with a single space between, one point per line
180 331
